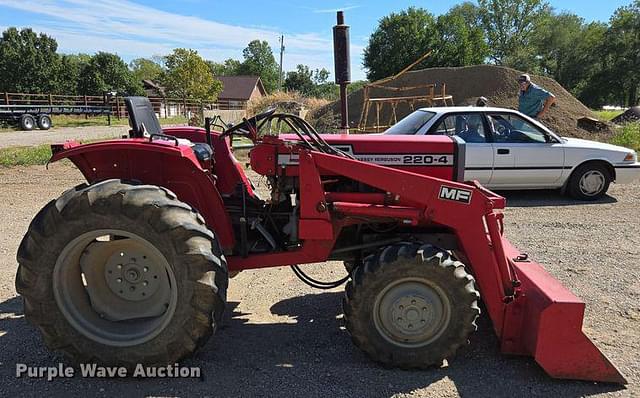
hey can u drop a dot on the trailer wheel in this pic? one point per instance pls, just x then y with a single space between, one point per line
27 122
120 274
44 122
411 306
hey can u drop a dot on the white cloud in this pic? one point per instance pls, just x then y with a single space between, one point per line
333 10
134 30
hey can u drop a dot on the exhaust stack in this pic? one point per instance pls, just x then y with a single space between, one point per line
342 65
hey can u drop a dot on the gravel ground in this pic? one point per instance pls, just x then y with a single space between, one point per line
283 338
60 134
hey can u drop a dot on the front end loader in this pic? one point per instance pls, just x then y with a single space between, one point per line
133 266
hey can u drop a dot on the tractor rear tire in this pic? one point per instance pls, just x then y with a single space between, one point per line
410 306
71 259
27 122
350 266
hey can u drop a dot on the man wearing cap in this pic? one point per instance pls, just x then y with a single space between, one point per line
533 101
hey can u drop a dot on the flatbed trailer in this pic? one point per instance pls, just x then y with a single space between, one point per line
29 117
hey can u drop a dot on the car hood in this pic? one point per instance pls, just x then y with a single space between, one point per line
587 144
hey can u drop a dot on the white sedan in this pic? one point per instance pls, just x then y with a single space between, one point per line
504 149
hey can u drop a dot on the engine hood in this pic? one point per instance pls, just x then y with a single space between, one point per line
587 144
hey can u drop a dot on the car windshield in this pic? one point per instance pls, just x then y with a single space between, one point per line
410 124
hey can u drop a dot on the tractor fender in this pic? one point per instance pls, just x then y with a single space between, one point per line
161 163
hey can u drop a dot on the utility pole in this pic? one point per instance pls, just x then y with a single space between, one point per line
281 54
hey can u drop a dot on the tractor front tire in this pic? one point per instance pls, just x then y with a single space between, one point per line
410 306
120 274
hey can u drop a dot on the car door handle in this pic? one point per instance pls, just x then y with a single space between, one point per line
503 151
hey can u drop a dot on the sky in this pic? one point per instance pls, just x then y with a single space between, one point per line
221 29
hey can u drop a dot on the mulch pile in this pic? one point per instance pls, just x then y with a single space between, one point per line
630 115
498 84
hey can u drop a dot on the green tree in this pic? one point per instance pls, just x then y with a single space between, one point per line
400 39
471 13
189 76
229 67
259 61
28 62
556 39
299 80
311 83
456 39
509 26
108 72
146 69
71 67
623 44
593 84
461 37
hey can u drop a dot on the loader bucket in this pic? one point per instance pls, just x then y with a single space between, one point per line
545 322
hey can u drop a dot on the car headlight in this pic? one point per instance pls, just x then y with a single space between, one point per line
630 157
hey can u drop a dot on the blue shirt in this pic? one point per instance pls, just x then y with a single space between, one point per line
531 101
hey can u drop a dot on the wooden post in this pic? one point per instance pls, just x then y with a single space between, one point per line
6 98
363 115
85 107
118 107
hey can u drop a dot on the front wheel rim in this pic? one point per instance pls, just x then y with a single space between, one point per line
115 287
592 182
411 312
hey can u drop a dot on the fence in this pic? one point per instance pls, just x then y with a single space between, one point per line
164 107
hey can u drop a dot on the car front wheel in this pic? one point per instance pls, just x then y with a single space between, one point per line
589 181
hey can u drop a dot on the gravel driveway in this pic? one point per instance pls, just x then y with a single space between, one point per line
60 134
281 338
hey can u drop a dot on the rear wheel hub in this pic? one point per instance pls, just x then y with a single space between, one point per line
134 278
115 287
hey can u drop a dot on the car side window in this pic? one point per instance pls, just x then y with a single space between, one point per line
509 128
468 126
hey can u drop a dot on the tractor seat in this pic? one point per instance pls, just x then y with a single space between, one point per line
142 117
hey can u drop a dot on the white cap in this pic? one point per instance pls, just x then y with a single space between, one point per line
524 78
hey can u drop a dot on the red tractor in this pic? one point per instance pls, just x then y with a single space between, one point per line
133 266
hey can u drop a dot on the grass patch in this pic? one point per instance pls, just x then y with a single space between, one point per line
40 154
628 136
81 121
607 115
25 156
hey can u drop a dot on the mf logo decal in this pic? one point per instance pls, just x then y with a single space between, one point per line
455 194
383 159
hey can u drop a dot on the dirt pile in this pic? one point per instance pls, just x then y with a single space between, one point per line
498 84
630 115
